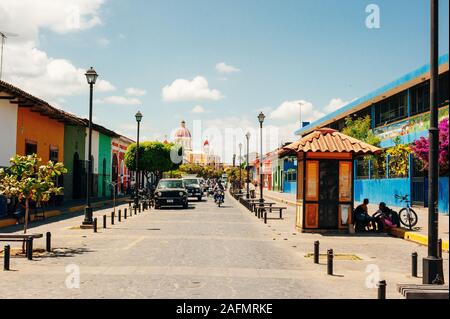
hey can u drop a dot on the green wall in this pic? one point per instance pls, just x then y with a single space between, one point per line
74 142
104 153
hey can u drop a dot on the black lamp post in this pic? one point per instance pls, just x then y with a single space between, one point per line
136 187
432 264
91 77
261 118
240 168
247 136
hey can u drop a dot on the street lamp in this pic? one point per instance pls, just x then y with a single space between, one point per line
138 117
247 136
240 168
432 265
261 118
91 77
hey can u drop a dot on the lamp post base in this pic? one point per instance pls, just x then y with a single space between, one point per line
88 221
433 273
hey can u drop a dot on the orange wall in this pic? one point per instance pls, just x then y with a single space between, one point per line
41 129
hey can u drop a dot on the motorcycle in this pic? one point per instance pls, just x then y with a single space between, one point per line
219 197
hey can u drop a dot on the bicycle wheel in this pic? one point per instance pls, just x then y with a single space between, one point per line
408 220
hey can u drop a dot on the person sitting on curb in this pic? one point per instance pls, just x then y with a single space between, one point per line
362 218
387 217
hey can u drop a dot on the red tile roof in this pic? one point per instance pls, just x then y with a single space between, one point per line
24 99
329 140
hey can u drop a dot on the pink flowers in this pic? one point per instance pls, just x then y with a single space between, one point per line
421 148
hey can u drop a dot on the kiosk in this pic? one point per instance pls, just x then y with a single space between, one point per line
325 179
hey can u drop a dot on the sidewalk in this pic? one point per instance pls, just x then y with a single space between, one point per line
68 208
419 234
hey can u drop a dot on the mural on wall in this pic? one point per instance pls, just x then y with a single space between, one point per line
412 125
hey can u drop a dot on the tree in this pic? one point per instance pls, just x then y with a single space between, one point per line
194 169
361 130
399 159
154 157
421 148
233 174
200 170
28 180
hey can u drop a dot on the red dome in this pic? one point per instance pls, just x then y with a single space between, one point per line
206 143
182 131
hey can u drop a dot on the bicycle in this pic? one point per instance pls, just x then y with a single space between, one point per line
407 215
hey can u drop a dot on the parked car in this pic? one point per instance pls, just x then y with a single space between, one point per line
171 192
194 188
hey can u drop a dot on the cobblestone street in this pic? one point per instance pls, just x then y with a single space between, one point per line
204 252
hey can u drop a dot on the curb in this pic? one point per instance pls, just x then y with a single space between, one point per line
396 232
415 237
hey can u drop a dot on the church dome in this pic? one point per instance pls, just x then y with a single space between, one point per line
182 132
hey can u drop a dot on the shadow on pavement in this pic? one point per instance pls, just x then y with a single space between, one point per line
54 219
65 252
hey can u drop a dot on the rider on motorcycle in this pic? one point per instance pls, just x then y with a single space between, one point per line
219 189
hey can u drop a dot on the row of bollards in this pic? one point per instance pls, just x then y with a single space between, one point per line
48 246
141 207
330 259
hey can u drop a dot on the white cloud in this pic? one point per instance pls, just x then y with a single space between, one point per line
224 68
135 92
30 68
58 16
335 104
190 90
198 109
120 100
290 110
225 133
148 131
103 42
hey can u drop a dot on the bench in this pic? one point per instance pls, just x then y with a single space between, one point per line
24 238
256 207
19 237
274 209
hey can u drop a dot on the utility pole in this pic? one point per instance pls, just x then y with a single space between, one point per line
432 264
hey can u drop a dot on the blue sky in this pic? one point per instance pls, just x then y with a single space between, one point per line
286 51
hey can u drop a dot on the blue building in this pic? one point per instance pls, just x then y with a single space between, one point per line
399 111
290 175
